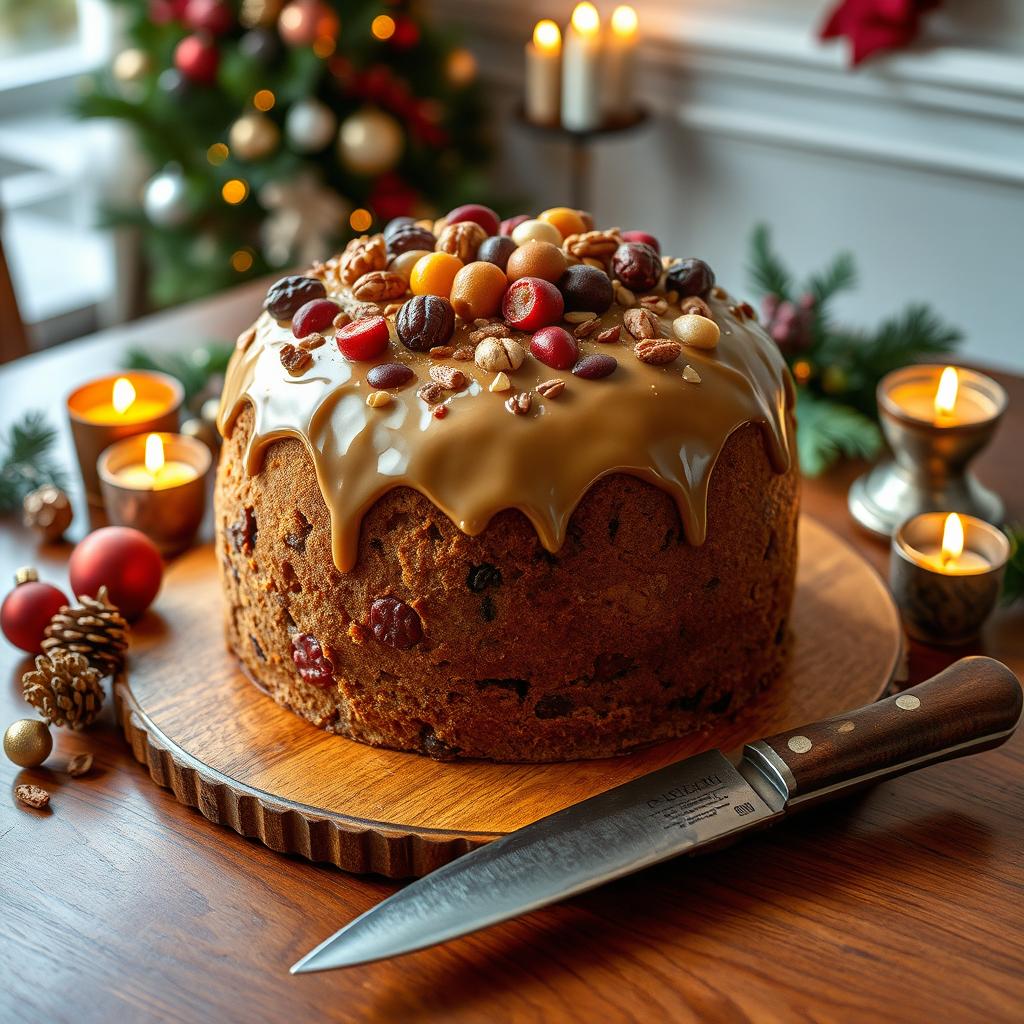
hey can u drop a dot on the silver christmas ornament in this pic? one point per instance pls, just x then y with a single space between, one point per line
370 141
165 198
309 126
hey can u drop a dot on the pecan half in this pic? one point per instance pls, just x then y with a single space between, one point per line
362 256
295 360
380 286
610 336
657 351
312 341
640 323
599 245
655 303
587 328
551 388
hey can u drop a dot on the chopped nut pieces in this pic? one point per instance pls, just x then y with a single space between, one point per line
611 335
431 393
32 796
640 323
655 303
551 388
657 351
579 318
448 377
312 341
392 308
695 304
441 352
519 404
748 310
588 327
295 360
79 765
624 297
596 245
500 383
362 256
245 339
380 286
690 374
719 293
341 320
491 330
496 354
464 353
378 399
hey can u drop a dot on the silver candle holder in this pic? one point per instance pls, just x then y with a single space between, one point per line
932 448
946 602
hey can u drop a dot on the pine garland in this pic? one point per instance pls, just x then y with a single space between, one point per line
27 460
837 369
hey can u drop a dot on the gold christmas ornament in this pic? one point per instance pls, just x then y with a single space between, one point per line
130 65
461 67
93 628
65 689
255 13
28 743
370 141
48 511
253 137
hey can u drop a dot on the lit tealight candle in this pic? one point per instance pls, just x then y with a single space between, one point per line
581 70
124 406
544 73
155 472
946 399
950 556
619 62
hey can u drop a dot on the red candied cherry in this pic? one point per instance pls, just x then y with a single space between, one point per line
313 665
482 215
531 303
511 223
554 347
315 315
364 338
644 237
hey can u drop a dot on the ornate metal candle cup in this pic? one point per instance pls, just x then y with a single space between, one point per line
100 416
946 604
931 449
166 505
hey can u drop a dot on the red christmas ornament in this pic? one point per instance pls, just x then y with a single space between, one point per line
873 25
406 35
163 12
197 57
123 560
27 610
302 22
213 16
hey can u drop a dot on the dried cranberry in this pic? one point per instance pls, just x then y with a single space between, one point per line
389 375
394 623
316 315
530 303
691 277
424 322
364 338
287 295
586 289
408 237
555 347
314 667
637 266
595 366
242 532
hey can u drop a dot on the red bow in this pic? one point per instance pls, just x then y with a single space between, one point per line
873 25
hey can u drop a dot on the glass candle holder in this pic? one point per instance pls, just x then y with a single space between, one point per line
164 496
945 598
119 405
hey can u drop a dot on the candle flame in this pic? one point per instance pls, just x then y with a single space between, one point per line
154 453
546 36
945 394
124 394
586 20
952 539
624 21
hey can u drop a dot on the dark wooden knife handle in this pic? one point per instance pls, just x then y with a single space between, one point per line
972 705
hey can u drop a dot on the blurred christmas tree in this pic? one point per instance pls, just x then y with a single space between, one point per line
277 130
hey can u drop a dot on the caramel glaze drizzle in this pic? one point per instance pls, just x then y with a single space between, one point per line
479 459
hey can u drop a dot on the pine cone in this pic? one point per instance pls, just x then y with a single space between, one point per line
65 689
47 510
93 628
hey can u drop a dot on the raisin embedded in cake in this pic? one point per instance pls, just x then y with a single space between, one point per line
527 497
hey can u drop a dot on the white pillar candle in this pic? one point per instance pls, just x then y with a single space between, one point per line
619 60
581 70
544 73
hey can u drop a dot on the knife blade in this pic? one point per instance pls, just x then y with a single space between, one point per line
692 806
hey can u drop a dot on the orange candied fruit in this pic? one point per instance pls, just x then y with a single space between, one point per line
568 222
434 274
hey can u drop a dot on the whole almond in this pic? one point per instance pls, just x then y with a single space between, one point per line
657 351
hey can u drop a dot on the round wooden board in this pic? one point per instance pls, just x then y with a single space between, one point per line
224 747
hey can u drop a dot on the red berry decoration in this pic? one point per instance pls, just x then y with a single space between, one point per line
642 236
364 338
510 224
531 303
394 623
482 215
554 347
197 58
314 667
213 16
123 560
315 315
637 266
27 610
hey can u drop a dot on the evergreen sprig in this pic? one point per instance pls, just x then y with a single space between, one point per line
27 460
837 369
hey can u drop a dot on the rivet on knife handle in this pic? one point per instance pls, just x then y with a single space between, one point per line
973 705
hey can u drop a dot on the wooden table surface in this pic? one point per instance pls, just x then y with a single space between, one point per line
903 904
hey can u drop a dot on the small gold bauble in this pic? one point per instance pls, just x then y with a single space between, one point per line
131 65
253 137
28 743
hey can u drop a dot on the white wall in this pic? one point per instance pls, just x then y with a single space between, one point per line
915 163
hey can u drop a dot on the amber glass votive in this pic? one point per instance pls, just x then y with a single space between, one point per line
106 409
946 601
166 503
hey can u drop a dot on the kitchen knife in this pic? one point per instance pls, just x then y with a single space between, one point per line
688 807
